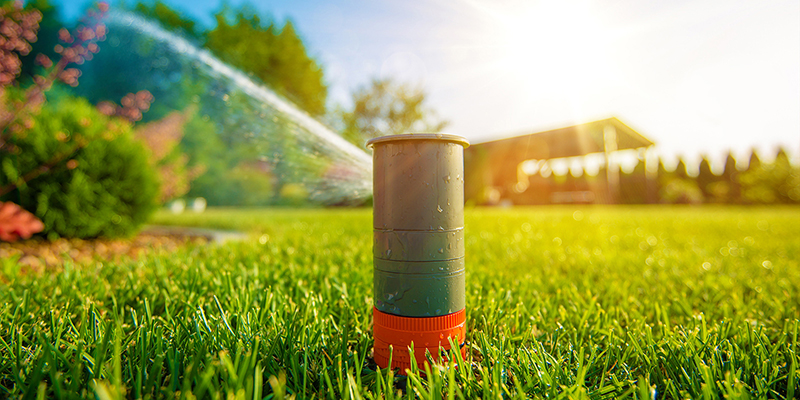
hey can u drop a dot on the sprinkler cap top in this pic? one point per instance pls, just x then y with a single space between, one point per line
447 137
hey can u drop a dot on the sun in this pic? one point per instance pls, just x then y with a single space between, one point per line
553 47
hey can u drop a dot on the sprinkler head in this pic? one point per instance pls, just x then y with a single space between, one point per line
418 247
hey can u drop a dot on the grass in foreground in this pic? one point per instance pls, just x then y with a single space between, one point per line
562 303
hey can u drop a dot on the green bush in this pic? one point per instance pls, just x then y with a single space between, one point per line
246 185
681 191
86 174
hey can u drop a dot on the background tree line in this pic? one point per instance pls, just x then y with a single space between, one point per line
756 182
776 182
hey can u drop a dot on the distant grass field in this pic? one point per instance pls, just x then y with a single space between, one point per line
628 302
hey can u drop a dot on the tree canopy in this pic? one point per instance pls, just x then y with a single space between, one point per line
275 55
168 17
385 107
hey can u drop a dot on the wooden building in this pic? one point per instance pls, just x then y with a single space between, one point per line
494 170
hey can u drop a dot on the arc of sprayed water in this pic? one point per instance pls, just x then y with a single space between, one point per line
262 93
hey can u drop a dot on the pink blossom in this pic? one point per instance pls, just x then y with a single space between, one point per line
64 35
44 61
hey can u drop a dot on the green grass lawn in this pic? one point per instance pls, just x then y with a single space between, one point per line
664 302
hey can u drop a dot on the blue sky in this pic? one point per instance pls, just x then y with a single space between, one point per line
700 76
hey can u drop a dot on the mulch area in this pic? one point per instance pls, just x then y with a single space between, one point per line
40 255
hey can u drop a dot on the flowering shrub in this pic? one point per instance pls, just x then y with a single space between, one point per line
18 28
78 170
100 181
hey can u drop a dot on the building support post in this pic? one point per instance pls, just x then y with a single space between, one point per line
651 174
612 169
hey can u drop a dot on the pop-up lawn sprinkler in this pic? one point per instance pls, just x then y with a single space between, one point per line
418 250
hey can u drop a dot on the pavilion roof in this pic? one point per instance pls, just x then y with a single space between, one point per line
572 141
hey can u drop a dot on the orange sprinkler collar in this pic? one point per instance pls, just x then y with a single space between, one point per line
427 334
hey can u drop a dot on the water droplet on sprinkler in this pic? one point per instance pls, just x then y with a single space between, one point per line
441 251
439 208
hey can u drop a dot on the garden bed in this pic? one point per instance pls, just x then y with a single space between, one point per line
38 254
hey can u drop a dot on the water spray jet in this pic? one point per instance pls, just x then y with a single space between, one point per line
418 248
286 144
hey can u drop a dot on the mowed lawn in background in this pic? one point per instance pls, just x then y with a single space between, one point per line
592 302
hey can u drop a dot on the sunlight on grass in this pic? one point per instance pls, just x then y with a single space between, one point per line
562 302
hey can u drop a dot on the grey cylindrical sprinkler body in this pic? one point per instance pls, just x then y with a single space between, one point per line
418 249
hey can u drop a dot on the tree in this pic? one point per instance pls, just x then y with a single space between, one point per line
168 17
680 169
386 108
633 185
785 178
770 183
731 176
138 62
726 189
755 161
19 28
706 178
677 186
662 172
47 38
274 55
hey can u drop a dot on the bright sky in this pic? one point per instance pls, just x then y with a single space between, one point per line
695 76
